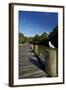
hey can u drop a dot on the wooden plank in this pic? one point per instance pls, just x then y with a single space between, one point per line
29 66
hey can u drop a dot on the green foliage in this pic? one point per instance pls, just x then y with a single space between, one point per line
21 38
41 39
30 39
36 39
44 39
54 37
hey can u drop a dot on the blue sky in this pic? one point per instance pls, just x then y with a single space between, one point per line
32 23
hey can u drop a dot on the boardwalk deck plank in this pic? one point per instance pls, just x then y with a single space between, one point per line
29 67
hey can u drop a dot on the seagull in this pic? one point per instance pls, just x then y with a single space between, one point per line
50 45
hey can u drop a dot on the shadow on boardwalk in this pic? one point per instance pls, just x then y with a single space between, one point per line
30 65
38 63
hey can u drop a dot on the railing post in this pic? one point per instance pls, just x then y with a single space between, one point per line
31 45
51 62
36 49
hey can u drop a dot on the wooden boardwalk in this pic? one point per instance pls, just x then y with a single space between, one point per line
29 65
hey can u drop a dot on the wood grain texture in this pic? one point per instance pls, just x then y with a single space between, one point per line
29 65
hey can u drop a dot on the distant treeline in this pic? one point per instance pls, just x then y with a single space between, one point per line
42 39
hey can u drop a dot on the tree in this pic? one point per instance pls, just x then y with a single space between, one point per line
30 40
53 37
36 39
21 38
44 39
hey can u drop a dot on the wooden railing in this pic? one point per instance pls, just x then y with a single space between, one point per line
51 63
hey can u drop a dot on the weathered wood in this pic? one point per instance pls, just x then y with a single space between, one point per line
51 62
29 66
